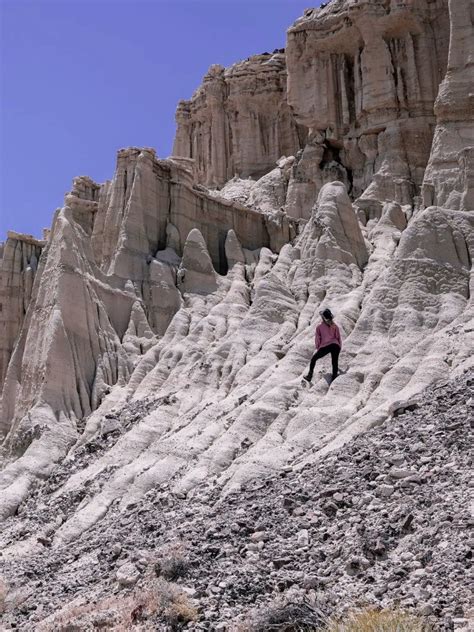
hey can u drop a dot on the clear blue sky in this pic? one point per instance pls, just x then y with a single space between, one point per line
83 78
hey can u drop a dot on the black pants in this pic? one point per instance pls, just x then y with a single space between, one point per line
334 350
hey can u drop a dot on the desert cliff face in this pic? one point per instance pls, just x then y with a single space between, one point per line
449 176
119 260
339 173
363 77
238 123
19 258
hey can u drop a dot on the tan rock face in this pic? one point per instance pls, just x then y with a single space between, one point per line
449 179
363 77
115 274
148 198
19 258
238 122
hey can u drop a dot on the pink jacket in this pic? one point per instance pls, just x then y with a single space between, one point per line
327 335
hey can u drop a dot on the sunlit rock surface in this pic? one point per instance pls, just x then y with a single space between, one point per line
238 122
190 312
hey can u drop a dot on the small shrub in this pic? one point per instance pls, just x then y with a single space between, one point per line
147 608
286 616
172 563
179 611
379 621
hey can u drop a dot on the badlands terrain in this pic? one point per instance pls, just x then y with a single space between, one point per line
162 464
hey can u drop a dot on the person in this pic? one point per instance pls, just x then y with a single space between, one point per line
328 340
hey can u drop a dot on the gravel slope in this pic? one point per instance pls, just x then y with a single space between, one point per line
382 521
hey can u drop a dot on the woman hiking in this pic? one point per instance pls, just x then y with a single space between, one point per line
328 340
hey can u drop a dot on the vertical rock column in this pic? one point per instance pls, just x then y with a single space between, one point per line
17 272
218 129
378 92
446 184
238 121
363 77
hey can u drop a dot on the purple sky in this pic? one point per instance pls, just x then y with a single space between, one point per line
83 78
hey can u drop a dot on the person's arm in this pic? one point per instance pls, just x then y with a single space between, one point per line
317 337
338 336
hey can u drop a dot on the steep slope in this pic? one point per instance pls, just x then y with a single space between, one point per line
226 372
106 290
162 343
381 521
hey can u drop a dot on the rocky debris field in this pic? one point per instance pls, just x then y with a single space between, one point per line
383 521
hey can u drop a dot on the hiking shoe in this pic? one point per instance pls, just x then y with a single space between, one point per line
308 378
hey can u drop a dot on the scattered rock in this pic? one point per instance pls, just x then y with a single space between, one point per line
127 575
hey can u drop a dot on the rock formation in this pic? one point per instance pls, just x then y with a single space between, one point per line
238 122
113 268
360 525
362 81
162 342
375 68
19 258
449 176
152 204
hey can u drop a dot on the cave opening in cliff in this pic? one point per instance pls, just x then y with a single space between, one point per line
331 154
223 266
331 164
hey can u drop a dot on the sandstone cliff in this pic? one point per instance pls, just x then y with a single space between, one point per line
143 274
19 258
449 176
375 68
238 122
113 269
362 81
169 324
